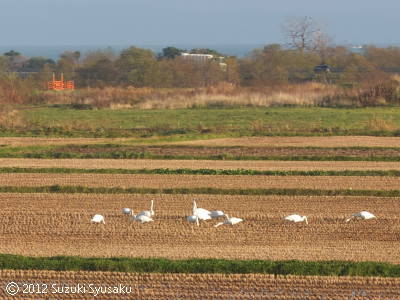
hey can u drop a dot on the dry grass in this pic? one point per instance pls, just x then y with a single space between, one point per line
223 94
58 224
214 286
299 141
39 141
198 164
201 181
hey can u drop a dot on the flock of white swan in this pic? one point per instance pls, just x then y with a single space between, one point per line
201 214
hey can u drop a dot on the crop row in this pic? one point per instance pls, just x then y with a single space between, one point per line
299 141
266 141
209 286
390 173
157 181
200 266
201 191
149 164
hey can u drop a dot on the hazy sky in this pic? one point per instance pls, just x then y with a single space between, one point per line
170 22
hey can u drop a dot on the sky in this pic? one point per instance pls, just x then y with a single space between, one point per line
175 22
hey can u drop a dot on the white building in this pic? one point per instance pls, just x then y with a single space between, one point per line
197 57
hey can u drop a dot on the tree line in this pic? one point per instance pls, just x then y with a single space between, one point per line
271 65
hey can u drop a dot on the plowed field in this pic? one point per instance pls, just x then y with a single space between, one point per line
295 141
55 224
197 181
199 286
198 164
300 141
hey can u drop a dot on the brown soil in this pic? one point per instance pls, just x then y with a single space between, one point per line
201 181
299 141
203 286
197 164
59 224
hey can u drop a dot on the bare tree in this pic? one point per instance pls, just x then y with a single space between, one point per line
305 34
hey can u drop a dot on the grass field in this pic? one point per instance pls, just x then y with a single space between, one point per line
217 122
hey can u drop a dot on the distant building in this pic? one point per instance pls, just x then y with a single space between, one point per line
204 57
197 57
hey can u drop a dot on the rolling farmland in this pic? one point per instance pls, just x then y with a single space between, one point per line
51 224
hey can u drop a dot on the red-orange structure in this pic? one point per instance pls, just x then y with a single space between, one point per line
59 85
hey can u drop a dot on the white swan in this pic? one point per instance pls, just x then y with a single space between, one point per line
98 219
142 218
193 219
364 215
200 211
229 221
216 214
296 218
127 211
198 214
148 213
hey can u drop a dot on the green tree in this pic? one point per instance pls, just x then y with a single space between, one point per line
205 51
171 52
68 63
36 64
138 67
101 73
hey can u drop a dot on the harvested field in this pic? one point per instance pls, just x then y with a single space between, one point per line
300 141
209 286
58 224
198 164
201 181
293 141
